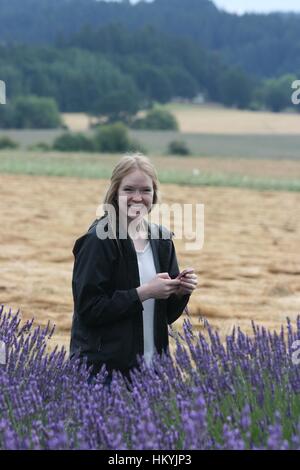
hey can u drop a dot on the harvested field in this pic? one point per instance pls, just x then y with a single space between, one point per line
248 269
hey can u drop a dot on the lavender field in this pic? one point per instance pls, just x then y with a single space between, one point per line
243 394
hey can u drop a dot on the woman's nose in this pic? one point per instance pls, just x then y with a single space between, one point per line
137 195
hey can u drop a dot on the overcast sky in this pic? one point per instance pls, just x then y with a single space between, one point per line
264 6
240 6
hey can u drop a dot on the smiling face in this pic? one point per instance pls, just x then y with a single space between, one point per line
135 195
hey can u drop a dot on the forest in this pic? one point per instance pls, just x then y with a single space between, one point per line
117 58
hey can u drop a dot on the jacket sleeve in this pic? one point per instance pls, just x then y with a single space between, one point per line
91 281
175 304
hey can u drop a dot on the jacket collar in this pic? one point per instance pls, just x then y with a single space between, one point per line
156 235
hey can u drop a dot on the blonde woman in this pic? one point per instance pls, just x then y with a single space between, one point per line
125 286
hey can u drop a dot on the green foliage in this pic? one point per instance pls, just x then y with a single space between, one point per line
6 116
40 147
115 69
154 83
78 80
277 92
7 143
118 105
33 112
90 166
109 138
237 89
112 138
178 147
74 142
30 112
156 119
136 146
263 45
183 82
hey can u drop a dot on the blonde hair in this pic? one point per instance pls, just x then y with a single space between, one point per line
128 164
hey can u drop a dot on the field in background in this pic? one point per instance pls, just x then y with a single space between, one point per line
214 119
248 268
245 173
207 119
208 131
275 147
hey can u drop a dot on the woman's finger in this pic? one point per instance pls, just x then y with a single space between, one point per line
194 280
192 284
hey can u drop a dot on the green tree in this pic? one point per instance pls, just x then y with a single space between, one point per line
178 147
7 143
237 89
74 142
157 118
33 112
182 82
6 116
118 105
277 92
12 76
112 138
154 83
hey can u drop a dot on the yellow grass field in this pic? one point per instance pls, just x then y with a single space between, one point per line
248 269
77 122
212 119
207 119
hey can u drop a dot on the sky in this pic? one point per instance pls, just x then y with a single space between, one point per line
259 6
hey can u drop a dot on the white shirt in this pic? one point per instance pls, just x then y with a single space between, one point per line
147 272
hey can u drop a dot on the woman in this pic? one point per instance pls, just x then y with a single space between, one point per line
124 285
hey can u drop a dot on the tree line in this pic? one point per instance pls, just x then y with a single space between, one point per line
116 72
262 45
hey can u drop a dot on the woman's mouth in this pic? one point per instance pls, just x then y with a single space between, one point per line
138 209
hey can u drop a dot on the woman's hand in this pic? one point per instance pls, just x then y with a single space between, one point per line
160 287
188 283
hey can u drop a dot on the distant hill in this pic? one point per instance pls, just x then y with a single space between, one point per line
263 45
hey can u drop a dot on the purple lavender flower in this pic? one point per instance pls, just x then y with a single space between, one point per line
208 395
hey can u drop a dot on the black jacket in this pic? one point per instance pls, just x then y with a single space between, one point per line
107 324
